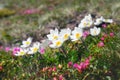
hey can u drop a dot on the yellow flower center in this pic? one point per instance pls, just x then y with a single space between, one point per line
66 36
58 43
77 35
27 42
95 32
85 24
35 49
55 37
22 53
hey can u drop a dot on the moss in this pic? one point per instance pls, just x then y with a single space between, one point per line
6 12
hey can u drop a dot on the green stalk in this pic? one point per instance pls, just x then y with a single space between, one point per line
85 45
63 51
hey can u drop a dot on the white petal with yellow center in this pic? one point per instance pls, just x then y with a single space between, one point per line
57 43
76 34
95 31
54 34
65 34
27 43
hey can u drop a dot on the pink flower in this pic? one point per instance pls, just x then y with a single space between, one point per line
100 44
83 65
75 65
86 64
85 34
54 69
50 69
79 67
102 38
104 25
15 50
30 11
7 49
111 34
105 35
70 64
90 57
1 68
87 61
1 47
54 78
42 50
61 77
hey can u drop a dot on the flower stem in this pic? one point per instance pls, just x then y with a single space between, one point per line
84 45
63 51
86 76
78 50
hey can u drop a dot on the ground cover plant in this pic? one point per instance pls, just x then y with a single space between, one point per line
79 45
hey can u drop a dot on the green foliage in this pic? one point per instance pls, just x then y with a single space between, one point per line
105 60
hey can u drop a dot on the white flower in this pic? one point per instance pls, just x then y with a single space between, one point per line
45 43
95 31
57 43
88 17
65 34
34 48
26 43
54 34
76 34
108 20
21 52
99 21
86 22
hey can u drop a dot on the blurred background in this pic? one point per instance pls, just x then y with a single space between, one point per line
22 18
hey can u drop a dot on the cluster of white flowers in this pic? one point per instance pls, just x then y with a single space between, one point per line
29 47
57 38
101 19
